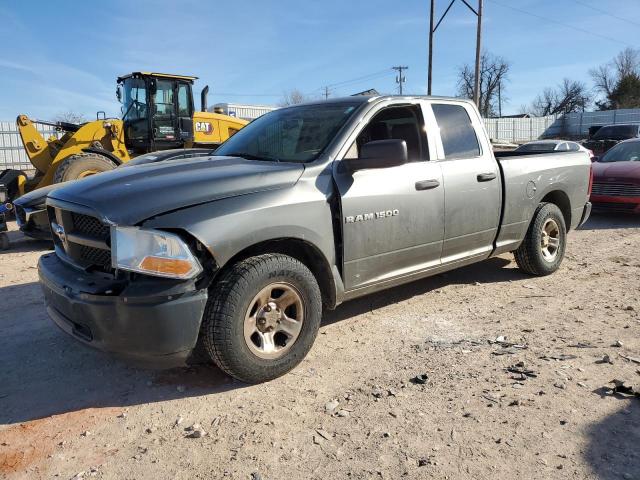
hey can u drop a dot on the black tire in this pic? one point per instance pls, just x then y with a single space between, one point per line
229 301
529 256
4 241
77 166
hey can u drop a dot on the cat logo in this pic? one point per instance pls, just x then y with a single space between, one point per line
204 127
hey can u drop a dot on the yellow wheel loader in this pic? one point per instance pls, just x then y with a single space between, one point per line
157 114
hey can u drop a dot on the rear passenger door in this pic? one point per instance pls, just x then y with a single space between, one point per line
472 184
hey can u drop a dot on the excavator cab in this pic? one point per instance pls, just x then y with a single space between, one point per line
157 111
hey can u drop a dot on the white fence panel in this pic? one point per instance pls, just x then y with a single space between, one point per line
571 125
12 154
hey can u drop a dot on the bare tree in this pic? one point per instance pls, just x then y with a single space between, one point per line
524 109
70 117
494 73
616 74
293 97
569 96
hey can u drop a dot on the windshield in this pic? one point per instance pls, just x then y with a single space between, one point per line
616 132
293 134
623 152
536 147
134 99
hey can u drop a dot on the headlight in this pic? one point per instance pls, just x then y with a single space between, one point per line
153 252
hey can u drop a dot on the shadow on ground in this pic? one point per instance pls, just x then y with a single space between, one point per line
613 448
490 271
44 372
608 220
19 243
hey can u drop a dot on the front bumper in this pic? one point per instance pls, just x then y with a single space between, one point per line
33 222
615 204
151 321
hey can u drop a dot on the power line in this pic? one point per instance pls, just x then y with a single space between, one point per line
371 76
324 91
550 20
607 13
247 94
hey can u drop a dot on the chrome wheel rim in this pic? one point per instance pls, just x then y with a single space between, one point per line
550 240
273 321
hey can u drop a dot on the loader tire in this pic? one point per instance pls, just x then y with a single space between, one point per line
542 250
271 295
82 165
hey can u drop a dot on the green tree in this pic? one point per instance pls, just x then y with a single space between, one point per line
617 80
626 93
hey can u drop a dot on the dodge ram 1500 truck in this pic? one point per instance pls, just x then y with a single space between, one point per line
236 255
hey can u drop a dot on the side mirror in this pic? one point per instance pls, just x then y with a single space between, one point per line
596 158
186 128
119 93
380 154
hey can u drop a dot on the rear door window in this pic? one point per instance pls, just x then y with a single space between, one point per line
459 138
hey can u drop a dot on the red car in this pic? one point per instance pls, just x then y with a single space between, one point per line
616 178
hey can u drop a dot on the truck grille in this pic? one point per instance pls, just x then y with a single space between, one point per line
616 189
619 207
83 239
90 226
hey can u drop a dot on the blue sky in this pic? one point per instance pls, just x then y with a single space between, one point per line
66 55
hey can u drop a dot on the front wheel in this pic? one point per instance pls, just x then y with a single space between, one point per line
262 317
82 165
542 250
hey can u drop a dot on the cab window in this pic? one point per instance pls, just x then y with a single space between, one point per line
458 136
401 123
164 98
183 101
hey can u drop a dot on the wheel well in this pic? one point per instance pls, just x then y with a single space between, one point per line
104 153
561 200
303 251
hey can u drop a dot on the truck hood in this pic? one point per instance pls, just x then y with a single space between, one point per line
616 170
127 196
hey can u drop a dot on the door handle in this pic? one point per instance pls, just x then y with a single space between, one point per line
486 177
427 184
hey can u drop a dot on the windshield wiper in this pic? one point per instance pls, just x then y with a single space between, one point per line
251 156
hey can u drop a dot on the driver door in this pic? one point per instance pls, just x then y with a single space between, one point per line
392 218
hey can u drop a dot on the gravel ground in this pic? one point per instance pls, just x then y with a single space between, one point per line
351 410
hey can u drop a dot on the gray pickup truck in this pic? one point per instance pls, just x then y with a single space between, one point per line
236 255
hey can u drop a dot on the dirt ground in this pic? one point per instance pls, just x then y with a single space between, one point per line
350 410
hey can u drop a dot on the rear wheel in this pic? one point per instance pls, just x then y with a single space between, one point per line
542 250
262 317
82 165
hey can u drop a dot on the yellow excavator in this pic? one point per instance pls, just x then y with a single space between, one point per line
157 114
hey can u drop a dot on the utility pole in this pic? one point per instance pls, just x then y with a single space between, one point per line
326 92
430 70
432 31
476 87
400 79
500 98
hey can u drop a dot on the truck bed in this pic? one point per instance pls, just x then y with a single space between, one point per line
532 178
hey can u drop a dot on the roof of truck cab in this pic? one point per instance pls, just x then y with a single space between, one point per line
157 74
370 98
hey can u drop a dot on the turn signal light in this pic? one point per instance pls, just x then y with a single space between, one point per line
166 266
